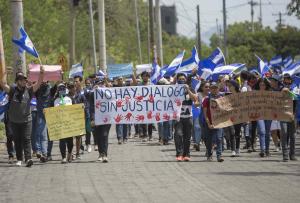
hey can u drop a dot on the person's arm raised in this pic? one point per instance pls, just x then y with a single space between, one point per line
36 86
3 83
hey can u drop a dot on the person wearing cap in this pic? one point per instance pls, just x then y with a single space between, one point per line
61 98
88 87
20 113
212 132
288 128
183 127
101 132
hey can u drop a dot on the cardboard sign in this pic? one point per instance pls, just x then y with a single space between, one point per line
251 106
138 104
65 121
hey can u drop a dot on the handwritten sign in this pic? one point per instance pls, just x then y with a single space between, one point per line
138 104
65 121
251 106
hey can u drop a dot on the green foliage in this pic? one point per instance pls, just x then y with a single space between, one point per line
243 43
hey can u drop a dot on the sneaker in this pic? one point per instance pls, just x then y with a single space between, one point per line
119 141
237 152
43 159
233 153
19 163
38 155
78 156
34 154
276 149
64 161
10 160
95 147
179 158
150 139
220 159
73 157
197 147
186 158
89 148
125 141
268 154
105 160
209 158
70 157
293 158
261 154
29 163
285 159
100 158
49 158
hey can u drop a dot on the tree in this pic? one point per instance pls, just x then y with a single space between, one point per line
294 8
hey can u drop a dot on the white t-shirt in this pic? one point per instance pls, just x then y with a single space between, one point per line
64 101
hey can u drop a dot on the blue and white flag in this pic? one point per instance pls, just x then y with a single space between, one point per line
206 66
76 70
24 43
101 73
276 61
262 67
287 61
228 69
155 74
195 83
174 65
191 63
292 69
4 101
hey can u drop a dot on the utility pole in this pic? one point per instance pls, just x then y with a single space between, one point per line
72 32
138 31
260 13
198 31
2 59
159 33
252 4
19 60
102 40
279 21
93 35
151 29
225 29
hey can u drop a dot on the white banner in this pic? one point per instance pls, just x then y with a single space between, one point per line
138 104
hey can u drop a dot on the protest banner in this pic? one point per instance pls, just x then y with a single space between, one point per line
143 67
138 104
65 121
119 70
251 106
52 72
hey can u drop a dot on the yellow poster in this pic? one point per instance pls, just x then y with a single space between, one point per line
65 121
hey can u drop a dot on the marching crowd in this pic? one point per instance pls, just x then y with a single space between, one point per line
27 135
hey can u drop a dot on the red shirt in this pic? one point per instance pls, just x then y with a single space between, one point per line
205 104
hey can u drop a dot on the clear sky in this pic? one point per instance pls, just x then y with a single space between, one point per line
210 10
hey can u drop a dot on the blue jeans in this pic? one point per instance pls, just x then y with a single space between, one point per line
217 135
288 134
167 131
41 134
196 130
33 132
263 127
121 130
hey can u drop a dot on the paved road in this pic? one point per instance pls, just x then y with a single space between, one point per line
147 172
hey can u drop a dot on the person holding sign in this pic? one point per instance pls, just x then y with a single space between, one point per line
61 98
212 132
20 113
183 127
